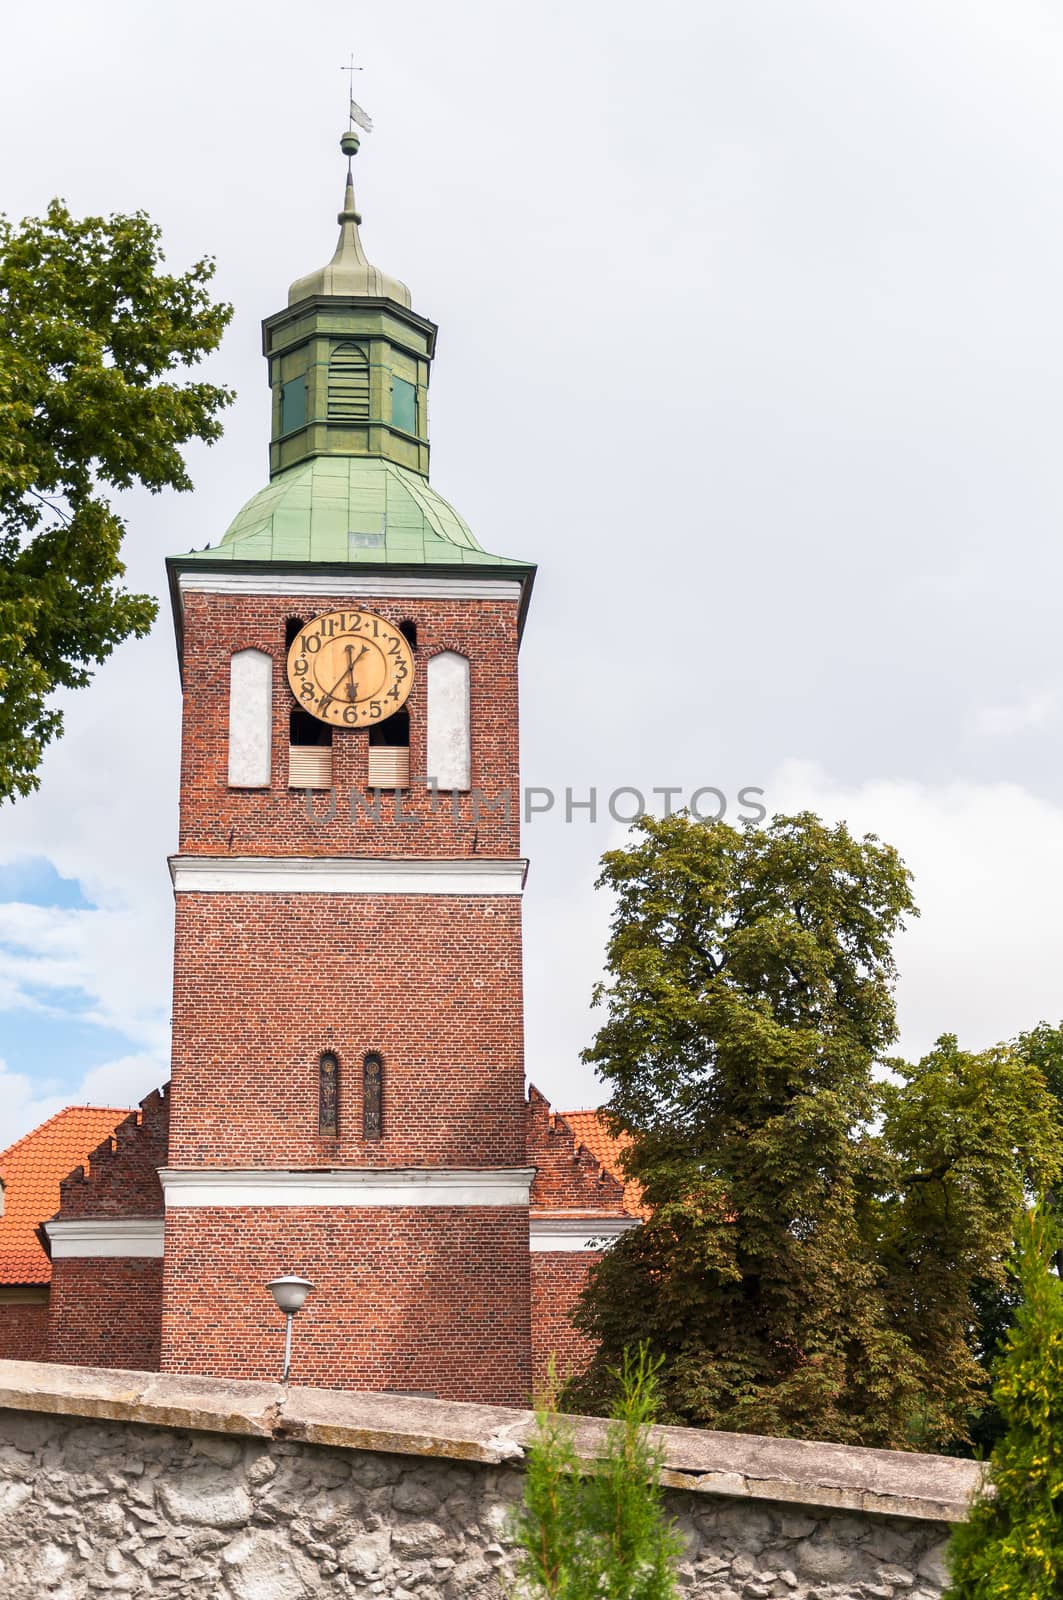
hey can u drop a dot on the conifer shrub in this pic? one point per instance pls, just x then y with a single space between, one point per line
597 1530
1012 1546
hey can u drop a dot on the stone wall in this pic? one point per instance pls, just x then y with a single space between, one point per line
142 1485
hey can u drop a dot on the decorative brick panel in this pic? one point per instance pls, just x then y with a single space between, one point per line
429 1299
105 1312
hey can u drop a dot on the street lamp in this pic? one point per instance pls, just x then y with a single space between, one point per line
289 1293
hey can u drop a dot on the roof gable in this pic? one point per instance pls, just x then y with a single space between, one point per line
32 1170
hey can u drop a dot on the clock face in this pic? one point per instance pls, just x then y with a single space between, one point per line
350 668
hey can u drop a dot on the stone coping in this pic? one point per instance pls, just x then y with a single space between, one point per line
744 1466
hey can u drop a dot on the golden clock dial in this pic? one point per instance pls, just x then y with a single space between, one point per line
350 668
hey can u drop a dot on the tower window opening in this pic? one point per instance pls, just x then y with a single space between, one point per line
328 1086
293 405
408 630
348 384
373 1095
309 751
303 729
292 629
389 752
404 405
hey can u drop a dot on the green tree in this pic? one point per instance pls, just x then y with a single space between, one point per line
596 1529
997 1299
1042 1047
825 1251
750 989
90 329
969 1135
1012 1546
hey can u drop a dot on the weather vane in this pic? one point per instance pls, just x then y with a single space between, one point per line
355 112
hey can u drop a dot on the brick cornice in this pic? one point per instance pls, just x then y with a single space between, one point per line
340 1187
383 585
139 1237
577 1233
458 875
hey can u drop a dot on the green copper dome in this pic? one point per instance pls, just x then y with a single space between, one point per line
349 363
355 509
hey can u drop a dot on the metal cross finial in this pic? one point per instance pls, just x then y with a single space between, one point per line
354 110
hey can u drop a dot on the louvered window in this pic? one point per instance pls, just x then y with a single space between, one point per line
348 384
309 752
389 752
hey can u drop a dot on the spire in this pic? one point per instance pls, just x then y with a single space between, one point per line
350 272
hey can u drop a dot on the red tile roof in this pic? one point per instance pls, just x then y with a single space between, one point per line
606 1147
32 1169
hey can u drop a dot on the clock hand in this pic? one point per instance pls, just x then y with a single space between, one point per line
330 694
352 687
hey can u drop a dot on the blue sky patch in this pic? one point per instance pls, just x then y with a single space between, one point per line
56 1052
34 881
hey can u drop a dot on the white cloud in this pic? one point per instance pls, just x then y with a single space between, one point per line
1034 711
23 1105
104 816
109 959
119 1083
983 959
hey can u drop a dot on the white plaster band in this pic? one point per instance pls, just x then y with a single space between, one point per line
372 1186
470 875
577 1233
340 584
106 1236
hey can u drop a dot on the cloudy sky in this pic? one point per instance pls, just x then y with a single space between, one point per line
750 336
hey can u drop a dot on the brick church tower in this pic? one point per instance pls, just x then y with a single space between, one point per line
347 1095
347 1083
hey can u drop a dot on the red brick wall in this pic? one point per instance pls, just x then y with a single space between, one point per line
122 1180
105 1312
216 820
557 1276
24 1331
433 1298
264 983
413 1298
568 1176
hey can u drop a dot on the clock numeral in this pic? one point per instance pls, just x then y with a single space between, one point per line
393 692
326 704
401 671
301 667
311 643
350 714
307 691
375 709
393 647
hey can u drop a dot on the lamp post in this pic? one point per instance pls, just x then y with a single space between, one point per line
289 1293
